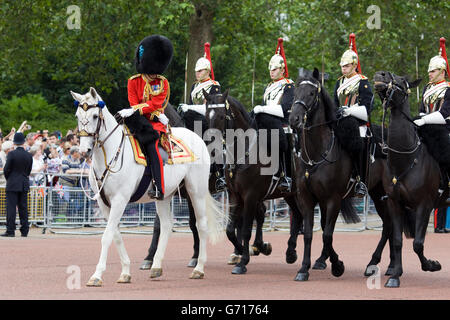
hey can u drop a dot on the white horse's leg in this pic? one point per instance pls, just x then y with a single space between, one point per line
115 214
199 204
125 276
166 222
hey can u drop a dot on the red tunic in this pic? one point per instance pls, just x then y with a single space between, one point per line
150 97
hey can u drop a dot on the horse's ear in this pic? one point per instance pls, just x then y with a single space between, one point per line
76 96
225 95
93 93
415 83
316 74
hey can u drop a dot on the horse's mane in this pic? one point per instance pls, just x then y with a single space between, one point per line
175 119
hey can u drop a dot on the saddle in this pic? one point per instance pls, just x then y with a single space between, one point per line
171 148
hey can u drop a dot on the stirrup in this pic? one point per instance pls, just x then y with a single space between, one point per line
154 193
360 189
285 184
220 184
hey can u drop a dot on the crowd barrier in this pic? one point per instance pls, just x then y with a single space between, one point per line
58 208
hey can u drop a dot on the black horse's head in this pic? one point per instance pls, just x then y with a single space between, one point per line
309 96
216 109
393 87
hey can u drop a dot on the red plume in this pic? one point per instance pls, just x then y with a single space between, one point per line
443 53
280 50
208 56
352 45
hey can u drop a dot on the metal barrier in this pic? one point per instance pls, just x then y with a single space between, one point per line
64 207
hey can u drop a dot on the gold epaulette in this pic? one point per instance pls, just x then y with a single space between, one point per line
135 76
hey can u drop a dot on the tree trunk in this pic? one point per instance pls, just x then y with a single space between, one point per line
200 30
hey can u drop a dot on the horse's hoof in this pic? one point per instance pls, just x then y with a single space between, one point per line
337 268
94 282
234 259
253 251
239 270
266 249
192 263
431 266
302 276
389 271
155 272
146 265
370 270
291 257
392 283
124 278
196 275
319 265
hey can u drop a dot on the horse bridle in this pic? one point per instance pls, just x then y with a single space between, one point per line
393 86
324 155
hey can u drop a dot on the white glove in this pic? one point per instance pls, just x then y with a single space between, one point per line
357 111
419 122
125 113
184 107
257 109
163 119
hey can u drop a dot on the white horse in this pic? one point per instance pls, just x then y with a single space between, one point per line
101 135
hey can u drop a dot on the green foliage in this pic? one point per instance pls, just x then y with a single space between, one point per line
40 55
38 113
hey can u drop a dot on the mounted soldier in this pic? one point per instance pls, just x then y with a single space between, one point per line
435 110
274 111
196 109
148 93
353 95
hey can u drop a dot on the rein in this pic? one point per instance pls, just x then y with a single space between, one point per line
100 144
305 128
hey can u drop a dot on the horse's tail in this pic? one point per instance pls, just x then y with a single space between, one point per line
349 212
217 219
409 223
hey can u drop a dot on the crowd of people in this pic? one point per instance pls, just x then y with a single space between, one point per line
56 158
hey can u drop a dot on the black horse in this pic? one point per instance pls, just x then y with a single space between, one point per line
323 174
247 187
413 177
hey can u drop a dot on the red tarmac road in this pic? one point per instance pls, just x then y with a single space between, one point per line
36 268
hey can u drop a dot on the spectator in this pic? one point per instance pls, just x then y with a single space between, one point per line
65 150
54 165
38 168
71 165
440 216
45 134
17 170
73 139
29 142
7 146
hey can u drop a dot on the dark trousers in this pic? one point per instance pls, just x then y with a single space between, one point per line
440 218
13 200
156 165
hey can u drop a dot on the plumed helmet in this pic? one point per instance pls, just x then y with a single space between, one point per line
278 60
202 64
351 55
153 54
440 61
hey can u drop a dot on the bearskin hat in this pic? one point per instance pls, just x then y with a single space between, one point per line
153 54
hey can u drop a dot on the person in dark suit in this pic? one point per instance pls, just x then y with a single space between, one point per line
17 171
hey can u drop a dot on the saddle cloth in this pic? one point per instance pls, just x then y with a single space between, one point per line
175 151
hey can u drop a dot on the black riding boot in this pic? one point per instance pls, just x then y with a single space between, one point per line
155 191
361 168
285 182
